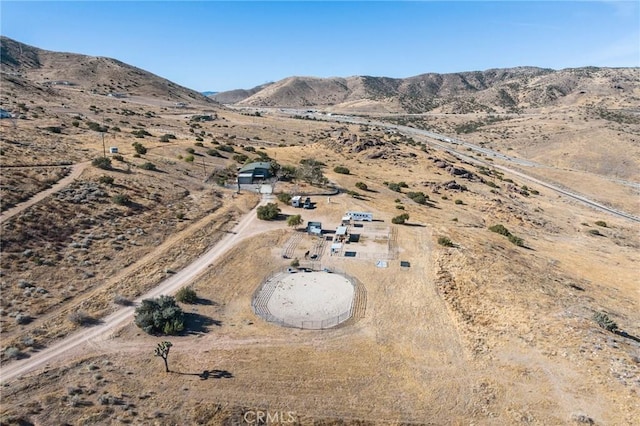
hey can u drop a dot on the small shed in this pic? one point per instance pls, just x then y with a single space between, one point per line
336 248
314 228
295 201
113 150
346 220
341 231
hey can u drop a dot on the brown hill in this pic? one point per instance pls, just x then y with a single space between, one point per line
494 90
29 68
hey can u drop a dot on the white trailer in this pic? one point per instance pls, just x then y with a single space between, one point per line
295 201
360 216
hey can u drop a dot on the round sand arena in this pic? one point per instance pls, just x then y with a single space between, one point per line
309 299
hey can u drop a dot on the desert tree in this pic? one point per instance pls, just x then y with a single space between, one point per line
162 350
294 221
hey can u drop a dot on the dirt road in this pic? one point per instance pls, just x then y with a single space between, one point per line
245 228
76 171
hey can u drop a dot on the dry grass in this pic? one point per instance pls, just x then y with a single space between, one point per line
484 332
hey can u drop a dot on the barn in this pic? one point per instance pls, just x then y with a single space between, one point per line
254 172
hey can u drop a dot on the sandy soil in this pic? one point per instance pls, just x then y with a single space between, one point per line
310 296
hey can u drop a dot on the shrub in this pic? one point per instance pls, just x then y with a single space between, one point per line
400 220
186 295
53 129
500 229
190 150
418 197
121 300
605 322
240 158
140 149
399 207
164 138
458 202
189 158
394 187
361 185
284 197
268 212
118 157
148 166
444 241
295 263
342 170
140 133
121 199
13 353
594 232
199 139
106 180
601 223
102 163
516 240
75 123
213 153
226 148
81 318
160 316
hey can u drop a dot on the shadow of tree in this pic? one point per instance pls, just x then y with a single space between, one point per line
196 323
209 374
628 336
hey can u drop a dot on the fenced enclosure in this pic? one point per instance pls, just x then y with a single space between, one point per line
265 291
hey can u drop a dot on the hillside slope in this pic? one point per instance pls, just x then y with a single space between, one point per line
29 68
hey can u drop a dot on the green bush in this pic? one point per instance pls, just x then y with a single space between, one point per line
605 322
595 232
53 129
500 229
444 241
107 180
140 149
342 170
189 158
268 212
190 150
459 202
400 220
186 295
601 223
160 316
240 158
140 133
394 187
121 199
148 166
516 240
284 197
361 185
226 148
418 197
102 163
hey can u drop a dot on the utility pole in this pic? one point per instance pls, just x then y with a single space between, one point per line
104 148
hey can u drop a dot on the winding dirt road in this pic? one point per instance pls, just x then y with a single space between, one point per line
246 227
76 171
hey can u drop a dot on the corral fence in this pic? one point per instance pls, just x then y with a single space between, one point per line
263 293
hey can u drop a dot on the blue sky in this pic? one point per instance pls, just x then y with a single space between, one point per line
211 45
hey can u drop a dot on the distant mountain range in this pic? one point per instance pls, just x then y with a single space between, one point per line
494 90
